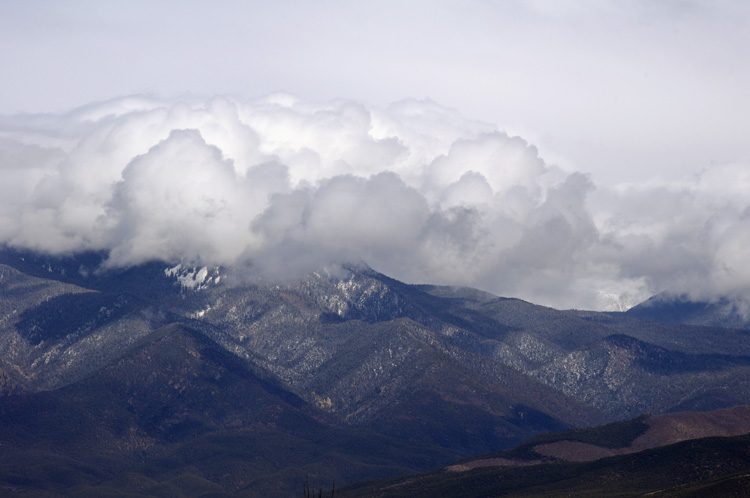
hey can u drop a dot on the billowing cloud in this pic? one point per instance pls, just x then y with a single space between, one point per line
415 190
180 201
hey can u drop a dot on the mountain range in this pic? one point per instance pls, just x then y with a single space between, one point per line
167 380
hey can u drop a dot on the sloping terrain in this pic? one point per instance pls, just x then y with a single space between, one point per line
704 467
175 408
669 308
430 374
619 438
663 455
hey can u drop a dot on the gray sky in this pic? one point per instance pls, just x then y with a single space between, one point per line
629 174
623 89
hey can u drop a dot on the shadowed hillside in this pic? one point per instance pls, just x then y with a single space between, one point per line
664 455
161 371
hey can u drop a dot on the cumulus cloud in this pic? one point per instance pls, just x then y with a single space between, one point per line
180 201
416 190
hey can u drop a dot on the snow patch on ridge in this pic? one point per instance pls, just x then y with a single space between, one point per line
194 278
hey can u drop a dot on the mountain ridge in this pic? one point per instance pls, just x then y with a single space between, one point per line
439 372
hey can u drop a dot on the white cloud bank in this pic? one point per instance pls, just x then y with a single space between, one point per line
415 190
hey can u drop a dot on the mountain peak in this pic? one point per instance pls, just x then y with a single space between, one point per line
671 308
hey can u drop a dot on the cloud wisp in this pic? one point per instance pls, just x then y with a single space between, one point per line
415 190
